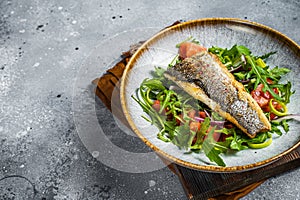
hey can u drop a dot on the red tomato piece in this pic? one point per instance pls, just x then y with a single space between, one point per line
262 98
259 87
272 116
269 81
156 105
266 95
188 49
259 99
202 114
195 126
217 136
266 108
276 90
277 106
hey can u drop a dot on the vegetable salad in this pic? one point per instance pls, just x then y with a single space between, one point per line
194 127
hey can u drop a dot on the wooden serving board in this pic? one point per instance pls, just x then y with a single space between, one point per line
197 184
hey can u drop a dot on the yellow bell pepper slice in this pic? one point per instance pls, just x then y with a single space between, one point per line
261 63
260 145
276 112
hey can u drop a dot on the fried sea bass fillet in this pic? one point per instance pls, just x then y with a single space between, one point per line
205 78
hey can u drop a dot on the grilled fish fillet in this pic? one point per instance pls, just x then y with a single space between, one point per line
205 78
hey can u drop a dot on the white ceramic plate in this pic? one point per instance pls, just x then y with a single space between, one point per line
222 32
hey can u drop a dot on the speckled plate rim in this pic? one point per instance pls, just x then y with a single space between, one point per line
210 21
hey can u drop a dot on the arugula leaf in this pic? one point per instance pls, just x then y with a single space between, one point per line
215 116
275 125
261 78
287 92
267 55
275 129
153 84
285 125
174 61
242 50
236 51
204 127
158 73
182 136
240 75
211 151
236 141
260 137
213 154
277 72
226 131
170 128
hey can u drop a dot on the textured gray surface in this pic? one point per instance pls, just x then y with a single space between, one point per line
42 46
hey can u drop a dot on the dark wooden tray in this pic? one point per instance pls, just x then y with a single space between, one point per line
197 184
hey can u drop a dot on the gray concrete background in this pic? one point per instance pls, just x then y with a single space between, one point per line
42 46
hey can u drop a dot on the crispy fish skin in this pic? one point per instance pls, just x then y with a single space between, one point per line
205 78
